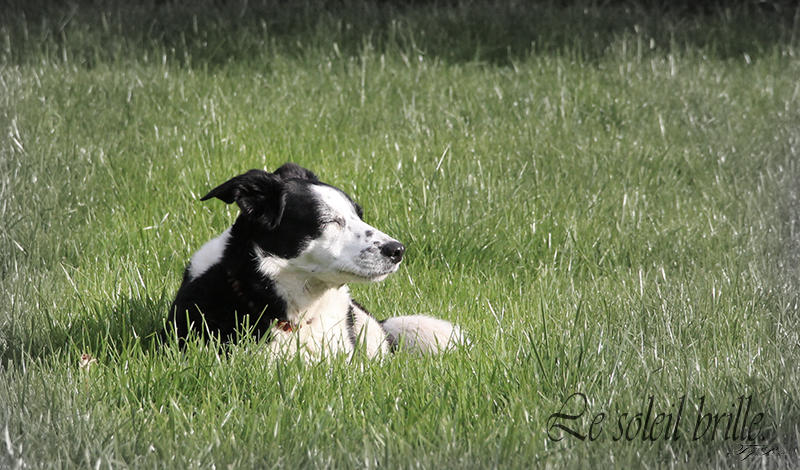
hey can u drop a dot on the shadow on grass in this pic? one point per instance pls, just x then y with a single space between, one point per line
211 33
101 331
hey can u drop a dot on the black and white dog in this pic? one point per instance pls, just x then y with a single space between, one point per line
281 271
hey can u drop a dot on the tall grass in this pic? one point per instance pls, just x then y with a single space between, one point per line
605 198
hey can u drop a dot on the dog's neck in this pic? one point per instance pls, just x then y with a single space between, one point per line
271 289
306 297
306 307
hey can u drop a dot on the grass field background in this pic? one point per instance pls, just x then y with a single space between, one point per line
604 198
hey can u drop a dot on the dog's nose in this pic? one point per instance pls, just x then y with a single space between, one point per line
394 251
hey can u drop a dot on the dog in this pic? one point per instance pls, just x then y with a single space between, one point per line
281 273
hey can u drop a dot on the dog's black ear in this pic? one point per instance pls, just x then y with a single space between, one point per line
293 170
257 193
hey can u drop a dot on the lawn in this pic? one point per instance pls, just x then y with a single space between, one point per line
605 198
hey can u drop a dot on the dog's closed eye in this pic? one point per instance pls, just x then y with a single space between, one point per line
336 220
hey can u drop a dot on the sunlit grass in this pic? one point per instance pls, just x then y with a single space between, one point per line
604 214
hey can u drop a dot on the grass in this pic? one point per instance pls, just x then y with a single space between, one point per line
605 198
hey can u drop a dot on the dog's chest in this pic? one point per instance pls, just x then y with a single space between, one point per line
316 327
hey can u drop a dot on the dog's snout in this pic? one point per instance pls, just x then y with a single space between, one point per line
394 251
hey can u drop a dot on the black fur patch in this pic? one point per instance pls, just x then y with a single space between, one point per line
351 326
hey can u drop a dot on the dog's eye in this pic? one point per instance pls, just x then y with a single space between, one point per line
337 220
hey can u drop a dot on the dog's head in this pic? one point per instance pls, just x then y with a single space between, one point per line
298 224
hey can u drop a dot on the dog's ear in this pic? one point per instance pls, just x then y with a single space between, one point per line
293 170
257 193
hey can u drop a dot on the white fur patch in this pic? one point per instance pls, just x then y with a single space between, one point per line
208 255
369 333
423 333
349 249
318 306
335 201
321 326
